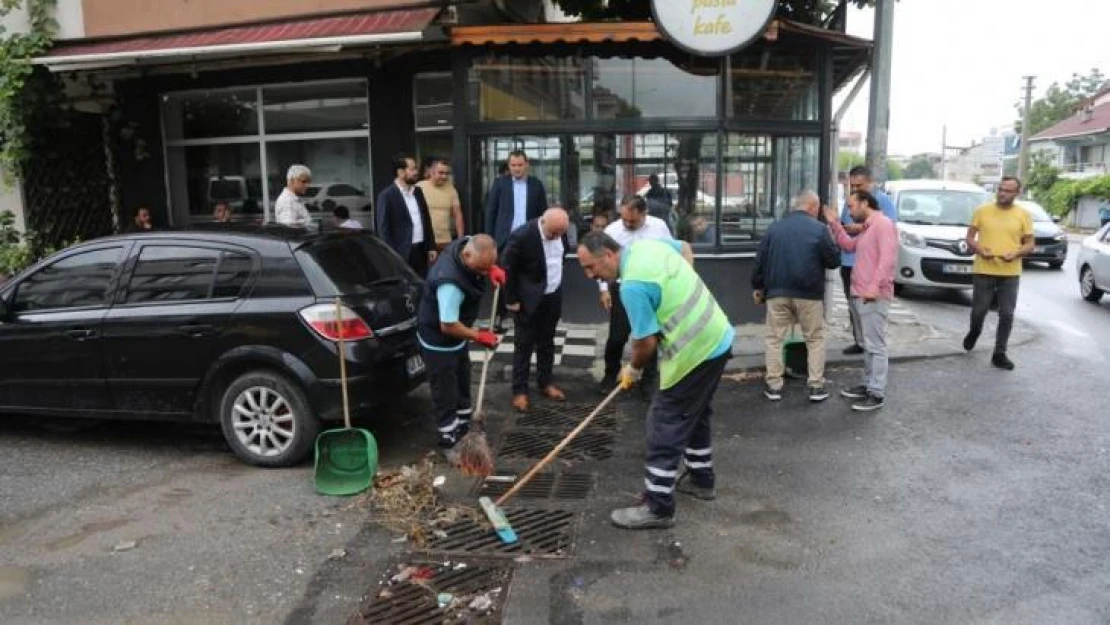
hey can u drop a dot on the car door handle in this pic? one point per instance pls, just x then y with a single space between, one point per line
197 329
79 334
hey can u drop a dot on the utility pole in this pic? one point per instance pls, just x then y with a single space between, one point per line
1023 155
878 114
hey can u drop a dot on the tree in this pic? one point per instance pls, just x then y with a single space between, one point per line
1042 175
1060 102
808 11
845 161
894 170
920 167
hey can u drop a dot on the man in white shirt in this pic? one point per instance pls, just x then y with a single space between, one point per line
533 260
635 224
343 219
289 210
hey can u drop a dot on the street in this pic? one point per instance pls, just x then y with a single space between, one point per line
976 495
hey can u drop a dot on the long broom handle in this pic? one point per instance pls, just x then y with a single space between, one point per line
558 448
342 361
489 357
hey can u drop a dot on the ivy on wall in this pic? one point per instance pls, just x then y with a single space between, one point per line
22 93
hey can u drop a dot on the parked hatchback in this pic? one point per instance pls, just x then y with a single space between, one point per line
223 325
1093 265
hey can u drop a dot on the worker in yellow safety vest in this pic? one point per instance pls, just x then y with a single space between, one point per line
670 310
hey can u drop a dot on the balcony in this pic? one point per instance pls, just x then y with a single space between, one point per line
1081 171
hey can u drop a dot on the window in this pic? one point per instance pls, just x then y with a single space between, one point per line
639 87
315 107
778 85
746 204
208 114
528 89
354 264
77 281
433 101
232 276
170 273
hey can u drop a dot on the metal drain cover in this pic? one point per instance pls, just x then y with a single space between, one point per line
409 595
562 486
542 533
537 444
567 417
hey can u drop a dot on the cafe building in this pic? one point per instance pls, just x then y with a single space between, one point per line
718 115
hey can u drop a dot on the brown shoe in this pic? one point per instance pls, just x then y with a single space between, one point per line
520 403
553 392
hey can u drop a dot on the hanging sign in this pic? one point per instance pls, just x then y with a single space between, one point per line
712 27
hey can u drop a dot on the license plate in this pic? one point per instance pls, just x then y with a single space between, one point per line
414 366
1039 249
957 269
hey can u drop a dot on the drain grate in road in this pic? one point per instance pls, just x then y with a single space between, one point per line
541 533
567 417
412 595
561 486
536 444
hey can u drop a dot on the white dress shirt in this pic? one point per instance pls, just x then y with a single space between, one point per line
414 213
289 210
351 224
653 228
553 252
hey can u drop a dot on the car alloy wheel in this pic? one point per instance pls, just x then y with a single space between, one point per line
264 421
1087 287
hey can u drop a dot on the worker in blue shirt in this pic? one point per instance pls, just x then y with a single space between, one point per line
448 310
859 179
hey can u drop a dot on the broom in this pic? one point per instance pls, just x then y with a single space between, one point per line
475 456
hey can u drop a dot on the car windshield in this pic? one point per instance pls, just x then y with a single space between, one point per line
356 263
939 207
1035 211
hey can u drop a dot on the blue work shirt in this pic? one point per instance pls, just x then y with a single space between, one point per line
520 202
641 301
885 204
450 299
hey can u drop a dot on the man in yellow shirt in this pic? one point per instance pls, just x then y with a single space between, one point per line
443 202
1001 233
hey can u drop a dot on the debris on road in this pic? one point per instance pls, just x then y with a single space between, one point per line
126 545
338 554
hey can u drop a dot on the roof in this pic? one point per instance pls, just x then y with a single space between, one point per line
1078 125
363 28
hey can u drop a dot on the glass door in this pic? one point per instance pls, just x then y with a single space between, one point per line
491 157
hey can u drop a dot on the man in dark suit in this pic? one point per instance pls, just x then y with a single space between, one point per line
513 199
534 292
402 218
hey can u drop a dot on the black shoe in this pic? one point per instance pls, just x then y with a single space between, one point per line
607 384
1002 362
772 394
818 393
855 392
853 350
686 486
869 403
969 341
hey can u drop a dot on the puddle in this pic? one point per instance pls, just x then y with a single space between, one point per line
87 530
13 581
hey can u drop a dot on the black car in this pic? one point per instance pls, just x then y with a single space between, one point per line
231 325
1050 242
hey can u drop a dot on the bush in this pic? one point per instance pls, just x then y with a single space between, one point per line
17 250
1063 197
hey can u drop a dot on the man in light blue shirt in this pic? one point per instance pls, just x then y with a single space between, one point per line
859 179
520 202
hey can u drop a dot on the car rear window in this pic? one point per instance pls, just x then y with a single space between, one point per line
355 263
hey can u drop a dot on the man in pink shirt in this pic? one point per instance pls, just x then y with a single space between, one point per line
876 250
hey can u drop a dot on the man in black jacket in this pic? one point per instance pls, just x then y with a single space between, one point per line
402 219
789 277
534 261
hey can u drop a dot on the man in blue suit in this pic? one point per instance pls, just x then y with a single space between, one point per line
514 200
401 217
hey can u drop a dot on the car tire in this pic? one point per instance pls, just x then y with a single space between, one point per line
1056 264
266 420
1087 287
899 289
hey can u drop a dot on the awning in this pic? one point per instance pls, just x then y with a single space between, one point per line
294 35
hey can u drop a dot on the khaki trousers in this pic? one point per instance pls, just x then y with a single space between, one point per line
782 314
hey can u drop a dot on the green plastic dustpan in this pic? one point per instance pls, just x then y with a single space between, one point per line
347 458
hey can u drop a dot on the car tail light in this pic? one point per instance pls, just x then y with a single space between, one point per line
322 319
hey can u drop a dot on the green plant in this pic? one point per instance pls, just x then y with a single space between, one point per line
1064 195
20 96
21 250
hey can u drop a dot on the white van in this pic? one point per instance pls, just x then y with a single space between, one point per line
933 216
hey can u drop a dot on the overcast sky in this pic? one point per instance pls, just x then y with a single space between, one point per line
960 62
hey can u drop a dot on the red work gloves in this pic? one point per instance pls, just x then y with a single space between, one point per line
497 275
486 338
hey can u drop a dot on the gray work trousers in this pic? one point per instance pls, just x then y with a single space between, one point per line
876 361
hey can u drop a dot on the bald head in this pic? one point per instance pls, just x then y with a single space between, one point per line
480 253
554 223
809 202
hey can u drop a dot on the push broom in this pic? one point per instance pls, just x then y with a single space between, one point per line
475 457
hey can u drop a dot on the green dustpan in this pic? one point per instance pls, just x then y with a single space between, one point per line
347 458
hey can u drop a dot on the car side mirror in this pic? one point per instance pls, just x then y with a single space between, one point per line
1055 219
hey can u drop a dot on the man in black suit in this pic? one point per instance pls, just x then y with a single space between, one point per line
513 199
534 292
402 218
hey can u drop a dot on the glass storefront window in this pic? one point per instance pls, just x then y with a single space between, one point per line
207 114
639 87
202 175
797 169
433 101
315 107
527 89
745 209
779 85
340 175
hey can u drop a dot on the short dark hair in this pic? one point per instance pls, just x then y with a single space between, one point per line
597 242
401 161
860 170
428 163
519 154
341 212
1011 178
634 202
867 198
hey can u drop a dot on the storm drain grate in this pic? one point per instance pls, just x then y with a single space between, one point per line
537 444
543 533
563 486
567 417
413 592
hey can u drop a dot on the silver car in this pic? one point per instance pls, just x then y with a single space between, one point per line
1093 264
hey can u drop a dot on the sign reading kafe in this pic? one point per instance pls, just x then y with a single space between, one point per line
712 27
